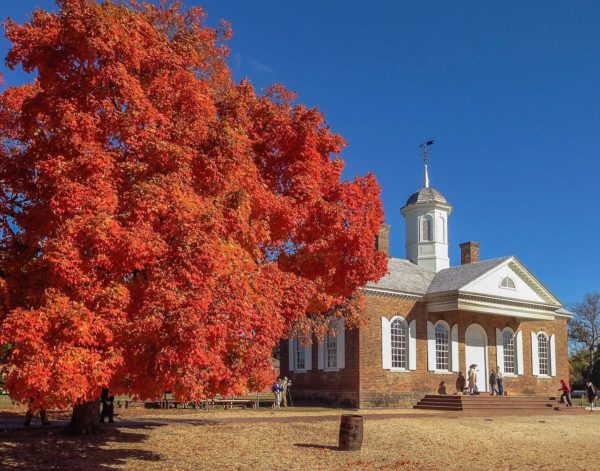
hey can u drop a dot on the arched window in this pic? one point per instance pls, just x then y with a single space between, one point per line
543 354
508 342
398 331
441 348
507 283
426 229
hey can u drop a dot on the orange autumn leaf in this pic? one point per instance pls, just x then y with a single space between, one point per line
162 225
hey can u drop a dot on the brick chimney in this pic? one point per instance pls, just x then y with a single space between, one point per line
469 252
382 240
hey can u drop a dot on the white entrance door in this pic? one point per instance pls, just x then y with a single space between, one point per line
476 353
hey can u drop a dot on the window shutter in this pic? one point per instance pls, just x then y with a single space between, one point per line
552 355
412 345
308 356
320 355
341 344
535 360
500 350
386 344
291 353
454 359
520 352
430 347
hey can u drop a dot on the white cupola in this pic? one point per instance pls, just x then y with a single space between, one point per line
426 213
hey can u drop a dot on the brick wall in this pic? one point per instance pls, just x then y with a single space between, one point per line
376 384
321 387
363 382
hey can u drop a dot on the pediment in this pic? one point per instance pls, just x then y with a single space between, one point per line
527 287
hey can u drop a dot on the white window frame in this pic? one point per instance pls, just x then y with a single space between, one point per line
400 320
340 346
547 361
386 344
294 347
507 331
446 326
427 236
509 281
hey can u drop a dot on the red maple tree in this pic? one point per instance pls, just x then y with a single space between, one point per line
163 226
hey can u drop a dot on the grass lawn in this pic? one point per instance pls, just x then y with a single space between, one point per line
306 439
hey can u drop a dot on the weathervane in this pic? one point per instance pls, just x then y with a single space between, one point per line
425 154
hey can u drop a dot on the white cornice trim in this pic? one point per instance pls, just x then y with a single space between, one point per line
391 292
490 305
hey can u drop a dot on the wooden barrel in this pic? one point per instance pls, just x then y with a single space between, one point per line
351 432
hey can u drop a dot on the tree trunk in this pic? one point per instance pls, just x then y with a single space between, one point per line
85 419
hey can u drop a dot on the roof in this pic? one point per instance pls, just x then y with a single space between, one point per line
404 276
426 195
454 278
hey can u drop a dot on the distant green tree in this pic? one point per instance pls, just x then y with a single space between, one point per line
579 366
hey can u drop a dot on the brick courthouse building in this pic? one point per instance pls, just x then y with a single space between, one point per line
426 321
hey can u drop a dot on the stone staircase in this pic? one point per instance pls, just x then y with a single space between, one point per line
493 403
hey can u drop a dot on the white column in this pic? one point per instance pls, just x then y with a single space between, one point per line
412 345
386 344
535 359
552 355
430 347
500 350
454 359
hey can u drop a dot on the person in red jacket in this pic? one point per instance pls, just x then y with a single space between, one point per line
566 393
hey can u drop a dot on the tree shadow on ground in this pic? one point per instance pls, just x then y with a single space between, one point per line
40 449
318 447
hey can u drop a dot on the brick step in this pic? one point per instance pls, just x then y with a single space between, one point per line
488 397
486 406
487 402
436 407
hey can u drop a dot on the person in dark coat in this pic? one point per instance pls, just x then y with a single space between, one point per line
461 383
493 383
108 407
590 394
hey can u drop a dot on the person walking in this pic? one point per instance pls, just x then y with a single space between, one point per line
284 387
566 393
590 394
493 383
500 381
277 389
472 377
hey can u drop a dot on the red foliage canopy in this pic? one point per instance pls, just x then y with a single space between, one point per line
162 226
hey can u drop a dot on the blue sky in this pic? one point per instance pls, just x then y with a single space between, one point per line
510 91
